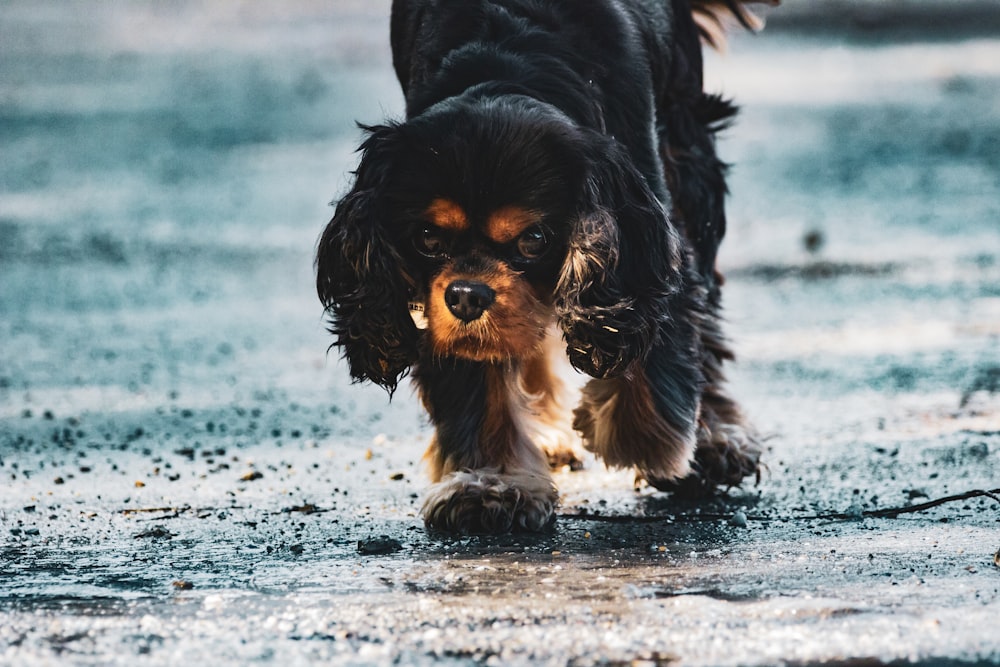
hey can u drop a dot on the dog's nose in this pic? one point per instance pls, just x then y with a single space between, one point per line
467 300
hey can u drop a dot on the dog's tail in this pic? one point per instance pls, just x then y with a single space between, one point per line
711 16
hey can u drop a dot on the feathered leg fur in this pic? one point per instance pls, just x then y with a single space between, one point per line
497 425
640 419
727 449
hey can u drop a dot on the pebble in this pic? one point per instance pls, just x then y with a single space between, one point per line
379 546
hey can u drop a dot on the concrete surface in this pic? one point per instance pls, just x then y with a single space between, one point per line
189 479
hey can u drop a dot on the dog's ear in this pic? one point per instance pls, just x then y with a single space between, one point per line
622 266
360 276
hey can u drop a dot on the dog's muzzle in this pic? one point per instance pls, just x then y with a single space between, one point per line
468 300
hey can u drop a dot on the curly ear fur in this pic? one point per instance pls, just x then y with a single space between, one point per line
622 267
359 275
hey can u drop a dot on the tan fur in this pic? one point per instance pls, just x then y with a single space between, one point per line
513 327
552 428
506 433
505 437
507 484
509 222
434 461
712 16
620 423
446 214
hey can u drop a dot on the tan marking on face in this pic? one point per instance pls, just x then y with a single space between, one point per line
513 327
446 214
507 223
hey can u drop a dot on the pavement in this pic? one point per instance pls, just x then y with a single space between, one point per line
190 478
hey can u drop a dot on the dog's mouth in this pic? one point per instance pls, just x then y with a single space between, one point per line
482 319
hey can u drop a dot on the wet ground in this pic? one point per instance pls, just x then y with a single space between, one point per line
189 478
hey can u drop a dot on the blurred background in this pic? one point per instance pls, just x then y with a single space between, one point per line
167 168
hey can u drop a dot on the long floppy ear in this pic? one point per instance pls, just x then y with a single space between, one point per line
622 267
359 274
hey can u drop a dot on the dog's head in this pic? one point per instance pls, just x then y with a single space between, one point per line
497 217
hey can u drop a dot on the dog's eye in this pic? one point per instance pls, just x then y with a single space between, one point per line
533 243
430 242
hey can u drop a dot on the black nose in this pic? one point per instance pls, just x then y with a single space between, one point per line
467 300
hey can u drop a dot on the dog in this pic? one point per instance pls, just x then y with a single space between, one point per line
554 186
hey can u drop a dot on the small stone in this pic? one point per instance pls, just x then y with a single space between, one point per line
379 546
739 519
156 532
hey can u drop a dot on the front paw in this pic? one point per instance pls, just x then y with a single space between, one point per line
723 458
603 348
562 456
588 357
560 444
487 503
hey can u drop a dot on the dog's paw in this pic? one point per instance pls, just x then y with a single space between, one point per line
723 458
562 456
561 446
596 360
487 503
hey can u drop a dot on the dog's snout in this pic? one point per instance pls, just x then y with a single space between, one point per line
468 300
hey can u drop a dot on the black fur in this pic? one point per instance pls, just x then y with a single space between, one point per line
590 115
455 396
372 326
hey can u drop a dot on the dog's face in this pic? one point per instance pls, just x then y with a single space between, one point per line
481 213
487 280
498 218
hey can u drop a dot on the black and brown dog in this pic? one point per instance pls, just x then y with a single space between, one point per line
555 186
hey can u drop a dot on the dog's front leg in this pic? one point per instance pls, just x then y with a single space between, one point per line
646 418
489 477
